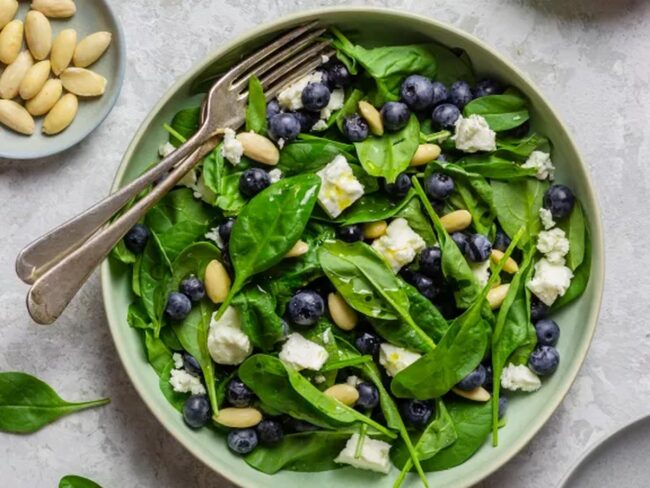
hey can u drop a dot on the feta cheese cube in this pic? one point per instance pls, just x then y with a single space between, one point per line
481 272
339 187
551 280
232 149
374 454
541 161
473 134
553 244
337 98
291 97
178 360
395 358
399 245
319 126
546 217
213 235
353 380
302 353
275 175
183 382
166 149
519 377
227 343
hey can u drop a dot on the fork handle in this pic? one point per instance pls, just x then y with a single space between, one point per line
51 293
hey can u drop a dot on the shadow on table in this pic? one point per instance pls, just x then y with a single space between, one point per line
588 10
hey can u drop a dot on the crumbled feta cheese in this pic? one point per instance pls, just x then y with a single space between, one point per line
395 358
353 380
202 192
280 143
553 244
319 126
302 353
275 175
481 272
337 97
399 245
231 149
473 134
546 217
227 343
183 382
213 235
324 58
325 336
189 180
166 149
339 187
319 378
178 360
551 280
541 161
291 97
374 454
515 378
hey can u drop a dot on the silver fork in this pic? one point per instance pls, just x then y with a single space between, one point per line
58 263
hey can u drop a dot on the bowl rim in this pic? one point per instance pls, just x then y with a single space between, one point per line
597 275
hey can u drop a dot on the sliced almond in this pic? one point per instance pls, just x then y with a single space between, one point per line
424 154
46 98
217 281
11 40
38 34
342 314
8 9
510 265
344 393
259 148
372 116
63 48
373 230
16 117
91 48
298 249
456 221
34 80
55 9
238 418
83 82
14 74
478 394
497 295
61 115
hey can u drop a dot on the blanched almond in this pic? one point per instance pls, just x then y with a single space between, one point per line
372 116
14 74
456 221
34 80
373 230
497 295
11 40
46 98
63 48
61 115
510 265
478 394
238 418
56 9
259 148
298 249
83 82
91 48
342 314
8 9
344 393
38 34
424 154
16 117
217 281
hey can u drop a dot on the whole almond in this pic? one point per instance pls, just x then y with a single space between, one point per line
56 9
217 281
259 148
372 116
63 48
478 394
424 154
298 249
34 80
38 34
16 117
456 221
91 48
510 266
11 40
344 393
46 98
342 314
8 9
238 418
497 295
83 82
13 75
373 230
61 115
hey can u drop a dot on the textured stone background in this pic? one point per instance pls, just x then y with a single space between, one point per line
588 56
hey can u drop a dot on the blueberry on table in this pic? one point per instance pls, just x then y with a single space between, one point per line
395 116
401 186
431 262
461 241
548 332
178 306
196 411
315 96
242 441
501 240
269 431
355 128
350 233
272 108
460 94
368 343
191 365
478 249
503 406
306 119
426 286
368 396
192 288
538 309
417 92
338 75
136 238
445 115
559 200
440 93
306 307
438 186
253 181
417 412
486 87
544 360
225 229
238 394
284 126
473 380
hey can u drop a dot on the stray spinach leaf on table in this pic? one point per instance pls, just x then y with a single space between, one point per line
74 481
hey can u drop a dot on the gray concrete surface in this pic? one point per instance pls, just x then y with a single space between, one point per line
590 57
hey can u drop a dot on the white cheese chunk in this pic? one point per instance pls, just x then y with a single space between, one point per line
399 245
541 161
319 379
213 235
395 358
473 134
227 343
339 187
232 149
481 271
519 377
553 244
551 280
319 126
337 97
275 175
291 97
302 353
166 149
353 380
178 360
546 217
183 382
374 454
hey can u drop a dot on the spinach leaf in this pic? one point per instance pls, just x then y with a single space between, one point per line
310 155
158 354
580 278
230 200
27 404
494 167
258 318
520 148
502 112
349 107
185 123
176 399
137 317
371 208
575 228
453 64
465 198
389 155
153 273
74 481
256 108
412 212
213 169
122 253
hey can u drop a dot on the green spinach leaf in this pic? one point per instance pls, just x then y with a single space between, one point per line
349 107
575 229
176 399
74 481
502 112
256 108
494 167
412 212
185 123
371 208
258 318
580 278
310 155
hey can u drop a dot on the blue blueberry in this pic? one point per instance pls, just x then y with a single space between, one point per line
269 431
426 286
395 116
238 394
438 186
192 288
315 96
368 343
191 365
178 306
501 240
272 108
253 181
136 239
473 380
431 262
225 229
417 92
548 332
460 94
559 200
355 128
440 93
538 309
445 115
486 87
306 119
338 75
461 241
284 126
368 396
306 307
350 233
478 249
242 441
503 406
417 412
196 411
401 186
544 360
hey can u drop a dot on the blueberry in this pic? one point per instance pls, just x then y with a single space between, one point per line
269 431
355 128
178 306
238 394
196 411
350 233
473 380
559 200
191 365
461 241
544 360
503 406
338 75
431 262
438 186
224 229
272 108
395 116
368 396
284 126
408 275
425 286
501 240
538 309
548 332
136 238
315 96
242 441
253 181
401 186
479 248
460 94
417 92
192 288
306 307
417 412
368 343
445 115
440 93
486 87
306 119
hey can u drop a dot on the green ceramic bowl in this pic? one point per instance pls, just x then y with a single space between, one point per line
526 414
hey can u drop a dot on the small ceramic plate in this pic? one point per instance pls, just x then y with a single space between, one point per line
91 16
620 459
